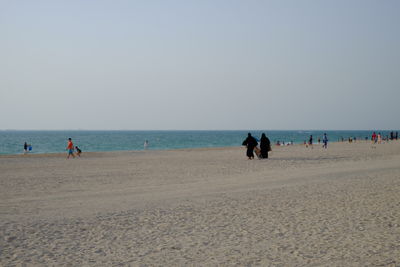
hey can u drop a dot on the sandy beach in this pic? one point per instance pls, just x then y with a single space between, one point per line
203 207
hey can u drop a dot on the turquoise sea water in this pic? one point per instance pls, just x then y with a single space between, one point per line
11 142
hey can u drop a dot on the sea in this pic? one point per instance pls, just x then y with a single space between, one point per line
12 141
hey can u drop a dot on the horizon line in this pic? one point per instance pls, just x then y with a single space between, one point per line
199 129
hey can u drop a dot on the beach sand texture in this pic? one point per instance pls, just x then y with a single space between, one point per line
203 207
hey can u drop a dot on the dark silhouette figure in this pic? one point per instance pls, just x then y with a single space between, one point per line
78 151
250 143
265 146
325 141
25 147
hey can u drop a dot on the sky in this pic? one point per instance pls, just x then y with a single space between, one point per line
199 65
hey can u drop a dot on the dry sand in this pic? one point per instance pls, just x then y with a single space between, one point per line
203 207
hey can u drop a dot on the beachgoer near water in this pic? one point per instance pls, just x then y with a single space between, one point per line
265 146
250 142
25 148
70 148
373 138
78 151
310 141
379 138
146 144
325 141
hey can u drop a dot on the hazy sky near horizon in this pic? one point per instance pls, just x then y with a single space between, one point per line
198 65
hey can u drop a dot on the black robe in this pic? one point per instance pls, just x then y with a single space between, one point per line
265 146
251 143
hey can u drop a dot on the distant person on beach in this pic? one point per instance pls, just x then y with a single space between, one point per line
325 141
310 141
78 151
146 144
25 148
70 148
379 138
265 146
373 138
250 142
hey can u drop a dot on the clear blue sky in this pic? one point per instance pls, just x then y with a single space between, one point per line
199 64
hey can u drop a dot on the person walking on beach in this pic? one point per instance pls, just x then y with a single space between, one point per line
25 147
265 146
310 141
146 144
325 141
250 142
70 148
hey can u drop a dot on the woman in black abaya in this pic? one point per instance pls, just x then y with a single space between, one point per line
265 146
250 143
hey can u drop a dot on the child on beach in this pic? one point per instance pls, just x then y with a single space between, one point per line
78 151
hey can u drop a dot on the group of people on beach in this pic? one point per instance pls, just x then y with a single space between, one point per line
252 146
260 147
377 138
70 148
263 146
324 141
